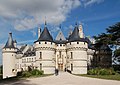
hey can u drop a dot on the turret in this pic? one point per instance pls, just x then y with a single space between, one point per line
9 53
77 52
15 43
45 51
81 34
39 31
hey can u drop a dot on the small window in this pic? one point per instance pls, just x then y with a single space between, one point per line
71 55
40 55
60 44
77 42
51 43
40 66
39 42
70 43
71 67
45 42
84 43
32 59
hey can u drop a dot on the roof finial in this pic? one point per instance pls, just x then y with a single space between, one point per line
60 26
45 21
76 21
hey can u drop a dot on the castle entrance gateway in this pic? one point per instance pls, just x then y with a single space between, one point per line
60 64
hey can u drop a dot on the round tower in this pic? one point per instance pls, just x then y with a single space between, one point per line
77 53
45 52
9 53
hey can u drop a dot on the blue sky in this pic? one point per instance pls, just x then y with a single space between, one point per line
22 17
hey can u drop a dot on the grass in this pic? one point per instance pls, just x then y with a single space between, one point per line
109 77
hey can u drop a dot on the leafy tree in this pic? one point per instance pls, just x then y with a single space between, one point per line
111 38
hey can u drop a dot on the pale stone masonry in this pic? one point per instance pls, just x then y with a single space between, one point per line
48 54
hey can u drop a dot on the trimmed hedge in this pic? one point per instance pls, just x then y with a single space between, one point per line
101 71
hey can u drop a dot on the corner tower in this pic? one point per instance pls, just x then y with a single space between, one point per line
77 53
45 52
9 53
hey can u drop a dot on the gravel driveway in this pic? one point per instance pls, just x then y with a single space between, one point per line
63 79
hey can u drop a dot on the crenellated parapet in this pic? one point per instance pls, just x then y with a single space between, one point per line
44 45
9 50
77 46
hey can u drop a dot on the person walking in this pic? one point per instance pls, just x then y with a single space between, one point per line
56 72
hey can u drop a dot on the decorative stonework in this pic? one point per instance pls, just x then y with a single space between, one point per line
45 48
77 48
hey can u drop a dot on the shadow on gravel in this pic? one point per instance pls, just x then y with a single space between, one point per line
15 81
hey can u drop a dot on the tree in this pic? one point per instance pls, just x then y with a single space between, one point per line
111 38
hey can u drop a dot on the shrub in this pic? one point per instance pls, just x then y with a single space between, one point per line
36 72
101 71
26 74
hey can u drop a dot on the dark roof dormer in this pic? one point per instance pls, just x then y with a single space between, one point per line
10 42
45 35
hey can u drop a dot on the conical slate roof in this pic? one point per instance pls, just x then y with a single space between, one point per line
75 36
45 36
10 42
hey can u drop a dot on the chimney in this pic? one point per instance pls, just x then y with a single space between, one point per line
39 32
15 43
81 34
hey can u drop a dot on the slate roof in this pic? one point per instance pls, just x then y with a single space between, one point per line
45 36
60 41
10 42
75 36
60 36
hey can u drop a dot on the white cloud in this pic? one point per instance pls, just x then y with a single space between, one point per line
90 2
27 14
1 46
34 33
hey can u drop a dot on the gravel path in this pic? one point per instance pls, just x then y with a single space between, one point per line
63 79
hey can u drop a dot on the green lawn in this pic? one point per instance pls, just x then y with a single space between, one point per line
110 77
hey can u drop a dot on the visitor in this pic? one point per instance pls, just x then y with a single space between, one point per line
56 72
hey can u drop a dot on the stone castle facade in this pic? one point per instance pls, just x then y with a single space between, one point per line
48 54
